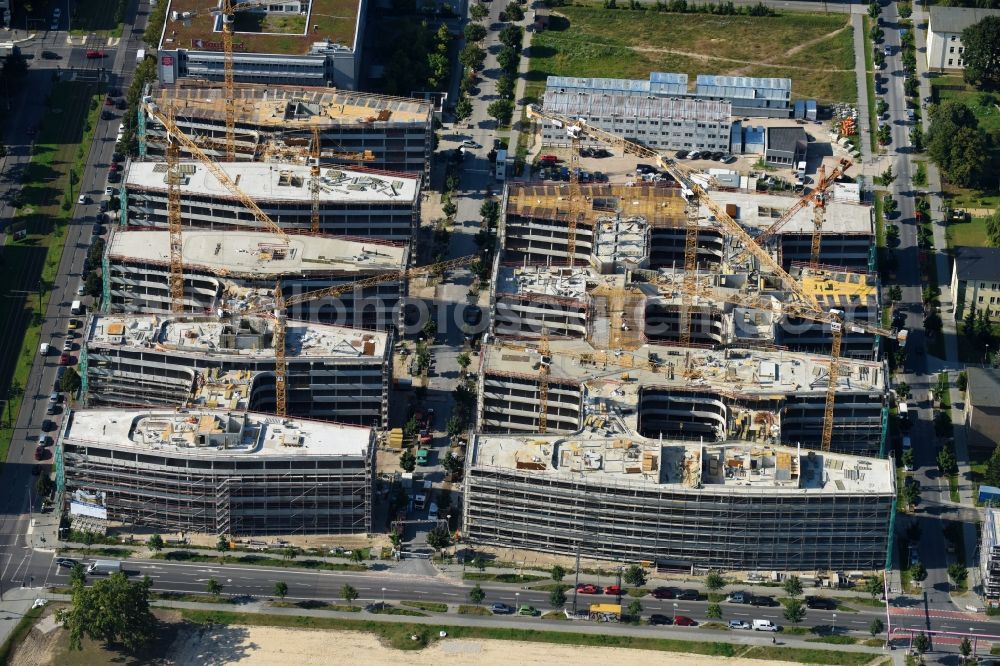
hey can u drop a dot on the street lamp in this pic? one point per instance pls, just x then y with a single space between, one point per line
517 602
675 611
834 623
383 597
975 640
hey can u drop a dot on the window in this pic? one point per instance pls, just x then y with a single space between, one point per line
959 62
949 62
953 38
951 50
980 299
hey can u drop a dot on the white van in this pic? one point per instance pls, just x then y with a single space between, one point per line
764 625
432 514
44 349
76 307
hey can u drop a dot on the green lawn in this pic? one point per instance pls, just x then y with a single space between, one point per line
44 208
622 43
967 233
870 86
100 17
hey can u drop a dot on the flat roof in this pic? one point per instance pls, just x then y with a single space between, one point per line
743 467
277 182
759 211
557 281
214 433
252 252
576 103
277 107
323 20
742 372
242 336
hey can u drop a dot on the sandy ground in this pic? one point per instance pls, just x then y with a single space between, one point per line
261 646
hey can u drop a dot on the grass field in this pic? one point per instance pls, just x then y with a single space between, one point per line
870 86
100 17
30 265
816 50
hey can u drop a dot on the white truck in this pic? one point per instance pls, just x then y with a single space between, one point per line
104 567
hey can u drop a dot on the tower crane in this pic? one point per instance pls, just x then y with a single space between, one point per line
805 306
278 312
174 223
314 181
544 365
225 10
817 197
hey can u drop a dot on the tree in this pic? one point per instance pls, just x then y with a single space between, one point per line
908 459
45 485
93 285
635 608
472 57
502 110
281 589
514 11
795 612
876 627
430 326
714 581
918 571
463 108
478 11
887 177
453 465
155 543
889 204
112 610
476 595
714 612
792 586
874 587
558 573
958 573
635 576
70 382
464 361
505 86
439 538
407 461
479 562
993 228
884 134
508 59
213 587
965 648
957 143
557 597
511 35
982 52
357 556
222 543
474 32
922 643
992 475
874 9
348 594
946 461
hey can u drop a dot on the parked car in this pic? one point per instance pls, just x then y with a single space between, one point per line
738 624
65 358
121 105
469 143
67 345
613 589
764 625
664 593
763 601
657 618
66 562
681 154
588 588
41 453
601 152
684 621
644 168
43 440
821 603
95 53
501 609
737 598
527 610
83 199
688 595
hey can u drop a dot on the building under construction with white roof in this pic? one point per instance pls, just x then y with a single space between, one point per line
355 203
335 373
227 271
218 471
274 120
685 506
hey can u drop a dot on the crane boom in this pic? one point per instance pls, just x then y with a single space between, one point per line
228 88
216 170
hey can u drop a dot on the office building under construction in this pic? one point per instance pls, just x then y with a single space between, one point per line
335 373
273 122
228 472
683 506
227 271
356 203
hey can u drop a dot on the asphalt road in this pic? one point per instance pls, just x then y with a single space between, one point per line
18 562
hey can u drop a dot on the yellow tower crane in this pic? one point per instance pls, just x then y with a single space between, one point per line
174 223
278 311
544 364
314 180
805 306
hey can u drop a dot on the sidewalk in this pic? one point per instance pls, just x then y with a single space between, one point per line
861 77
16 602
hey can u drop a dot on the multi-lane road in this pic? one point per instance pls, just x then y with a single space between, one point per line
18 562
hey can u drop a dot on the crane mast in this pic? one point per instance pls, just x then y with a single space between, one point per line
174 224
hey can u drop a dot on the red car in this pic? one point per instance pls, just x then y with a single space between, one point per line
613 589
684 621
588 588
64 358
93 53
663 593
114 167
108 101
